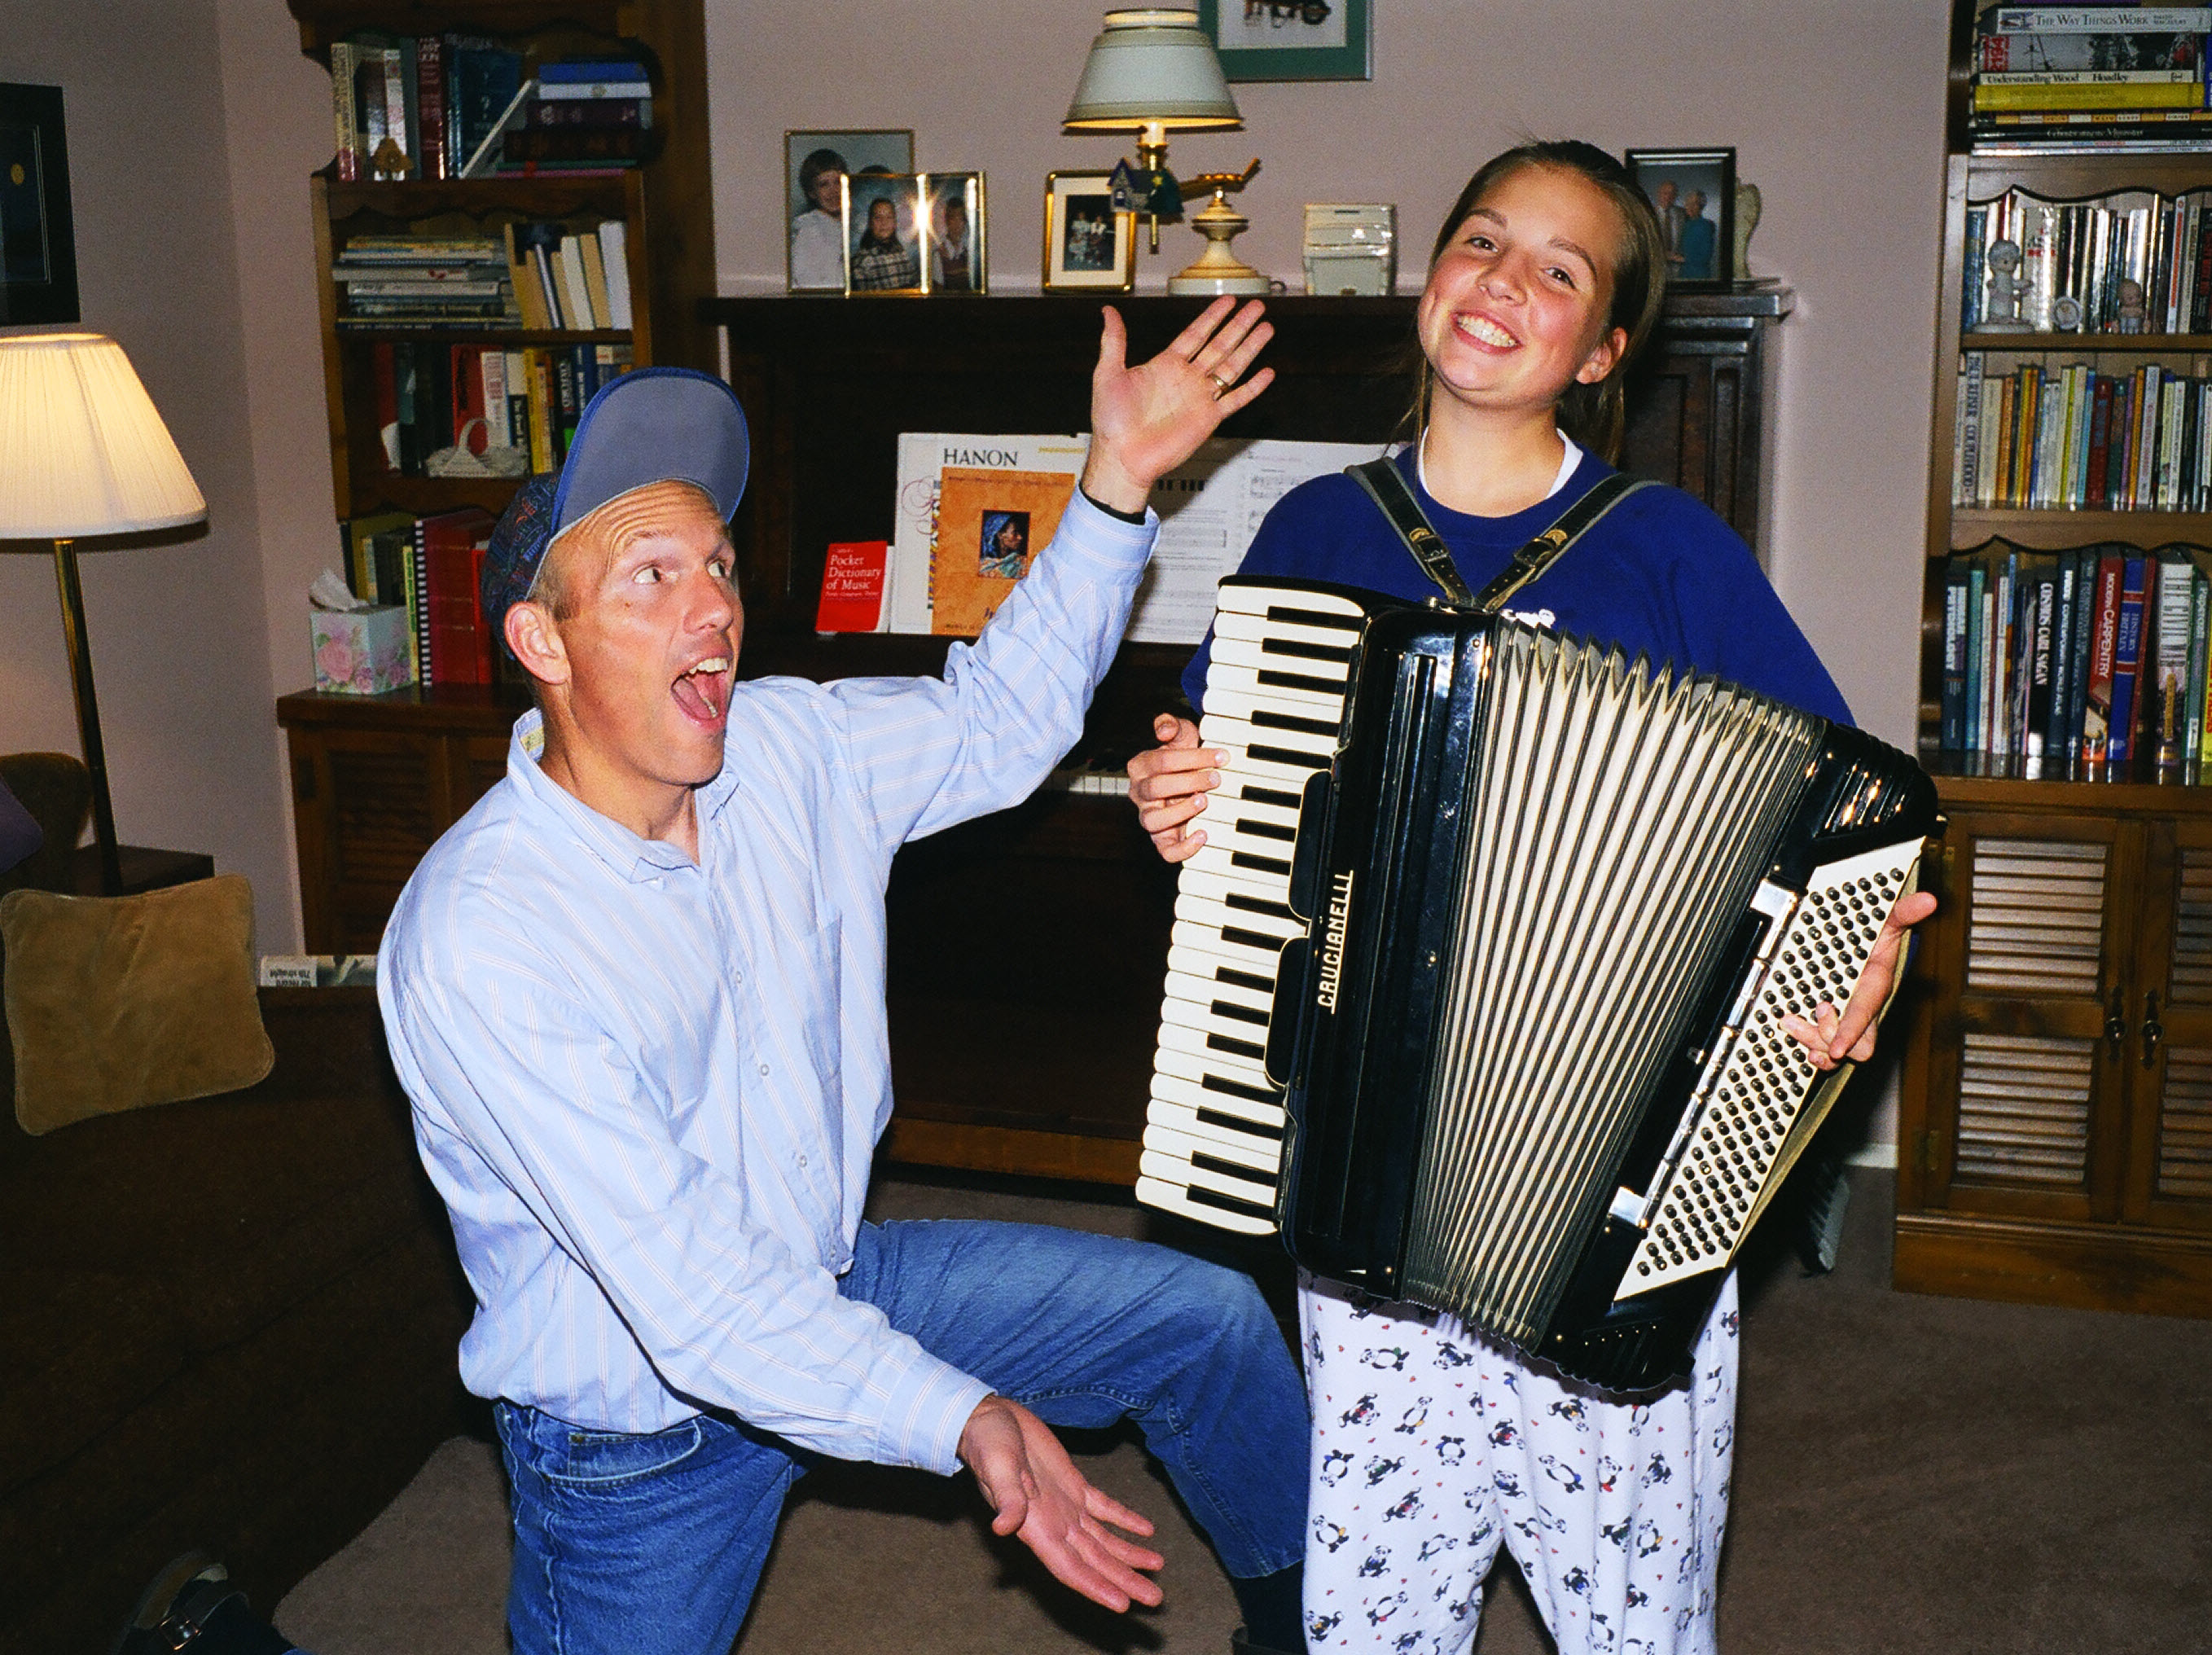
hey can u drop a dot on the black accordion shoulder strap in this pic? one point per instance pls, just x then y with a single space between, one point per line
1380 478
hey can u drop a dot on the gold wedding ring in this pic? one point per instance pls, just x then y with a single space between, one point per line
1221 386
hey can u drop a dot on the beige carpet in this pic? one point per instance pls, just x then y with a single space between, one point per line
1912 1475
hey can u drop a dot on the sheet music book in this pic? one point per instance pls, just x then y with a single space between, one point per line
1210 508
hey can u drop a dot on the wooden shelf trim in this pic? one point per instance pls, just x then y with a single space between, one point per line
532 194
451 333
2053 528
2031 343
2092 798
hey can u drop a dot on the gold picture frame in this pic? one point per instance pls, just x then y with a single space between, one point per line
948 268
896 234
1077 213
814 261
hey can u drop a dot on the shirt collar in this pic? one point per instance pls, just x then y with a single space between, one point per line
624 853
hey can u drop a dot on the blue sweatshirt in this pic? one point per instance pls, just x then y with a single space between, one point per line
1659 574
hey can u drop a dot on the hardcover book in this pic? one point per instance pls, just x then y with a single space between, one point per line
2097 705
989 525
2137 591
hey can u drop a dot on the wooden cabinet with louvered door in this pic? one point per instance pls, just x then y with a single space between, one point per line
376 780
2166 1034
2056 1141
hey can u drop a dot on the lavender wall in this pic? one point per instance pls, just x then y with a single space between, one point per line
179 633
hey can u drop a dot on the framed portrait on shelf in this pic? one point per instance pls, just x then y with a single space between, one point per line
953 221
37 244
1088 246
883 228
1291 39
813 208
1693 192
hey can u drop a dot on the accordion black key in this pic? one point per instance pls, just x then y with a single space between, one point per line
1476 989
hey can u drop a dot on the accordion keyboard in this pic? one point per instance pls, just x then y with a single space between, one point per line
1275 695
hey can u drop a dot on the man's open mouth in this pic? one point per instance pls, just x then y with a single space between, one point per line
702 689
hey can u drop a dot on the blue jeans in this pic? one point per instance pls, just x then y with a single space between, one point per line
654 1543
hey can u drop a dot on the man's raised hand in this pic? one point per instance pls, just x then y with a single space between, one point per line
1147 420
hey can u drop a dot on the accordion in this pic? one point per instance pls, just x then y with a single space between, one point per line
1475 989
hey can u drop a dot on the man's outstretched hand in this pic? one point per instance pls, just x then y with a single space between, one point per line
1147 420
1040 1496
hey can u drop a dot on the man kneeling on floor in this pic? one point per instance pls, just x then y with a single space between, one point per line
637 997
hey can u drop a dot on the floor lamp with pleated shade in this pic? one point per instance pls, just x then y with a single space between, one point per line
83 453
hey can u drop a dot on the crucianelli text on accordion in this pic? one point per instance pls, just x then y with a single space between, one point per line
1475 989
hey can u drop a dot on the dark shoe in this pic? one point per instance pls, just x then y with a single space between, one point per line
175 1605
1240 1644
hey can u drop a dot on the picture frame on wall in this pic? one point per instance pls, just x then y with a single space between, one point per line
1291 39
954 224
885 217
1693 192
37 240
1089 247
814 163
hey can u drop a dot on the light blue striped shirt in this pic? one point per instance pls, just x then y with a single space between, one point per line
649 1091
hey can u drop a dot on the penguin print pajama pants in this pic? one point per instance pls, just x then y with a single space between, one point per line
1433 1447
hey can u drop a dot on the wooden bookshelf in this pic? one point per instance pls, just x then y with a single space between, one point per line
2055 1141
666 205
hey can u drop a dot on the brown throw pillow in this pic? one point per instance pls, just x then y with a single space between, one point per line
118 1002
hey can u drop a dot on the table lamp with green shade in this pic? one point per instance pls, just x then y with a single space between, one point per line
84 455
1153 72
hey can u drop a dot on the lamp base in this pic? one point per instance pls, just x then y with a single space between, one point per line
1217 271
1190 281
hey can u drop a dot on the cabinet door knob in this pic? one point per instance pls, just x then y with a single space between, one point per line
2153 1029
2116 1024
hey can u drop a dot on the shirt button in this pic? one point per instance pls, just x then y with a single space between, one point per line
802 1163
763 1068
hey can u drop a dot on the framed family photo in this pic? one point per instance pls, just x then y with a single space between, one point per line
1290 40
815 164
1088 246
37 244
883 220
1693 192
953 227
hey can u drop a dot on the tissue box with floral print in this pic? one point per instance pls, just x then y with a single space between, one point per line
361 652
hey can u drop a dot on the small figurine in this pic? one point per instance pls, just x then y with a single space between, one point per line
2131 318
2001 315
1746 221
2066 313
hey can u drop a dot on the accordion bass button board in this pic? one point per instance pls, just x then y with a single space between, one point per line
1476 989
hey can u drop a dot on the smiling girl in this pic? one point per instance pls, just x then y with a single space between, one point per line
1431 1444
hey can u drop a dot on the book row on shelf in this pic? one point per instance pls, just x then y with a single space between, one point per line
430 397
2090 77
2051 435
434 106
544 277
2133 261
429 566
2088 664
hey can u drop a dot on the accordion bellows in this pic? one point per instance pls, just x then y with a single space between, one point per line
1477 985
1615 841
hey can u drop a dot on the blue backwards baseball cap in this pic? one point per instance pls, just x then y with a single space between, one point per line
652 425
